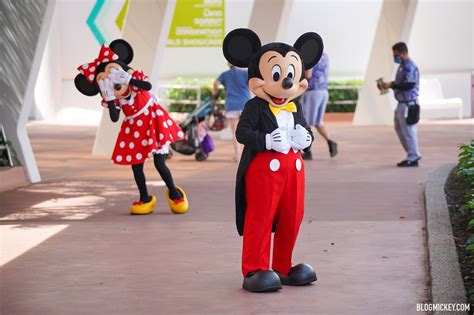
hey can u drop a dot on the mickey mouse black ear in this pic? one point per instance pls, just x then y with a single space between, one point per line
123 49
86 88
240 45
310 46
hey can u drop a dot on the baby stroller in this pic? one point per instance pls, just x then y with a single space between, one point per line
197 140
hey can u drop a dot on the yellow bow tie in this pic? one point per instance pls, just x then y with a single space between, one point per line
290 107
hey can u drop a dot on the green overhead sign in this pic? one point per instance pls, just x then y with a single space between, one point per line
197 23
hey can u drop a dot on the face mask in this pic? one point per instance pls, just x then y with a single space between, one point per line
397 59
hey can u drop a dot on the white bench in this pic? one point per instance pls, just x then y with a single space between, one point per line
431 98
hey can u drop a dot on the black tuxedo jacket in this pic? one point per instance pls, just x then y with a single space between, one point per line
255 122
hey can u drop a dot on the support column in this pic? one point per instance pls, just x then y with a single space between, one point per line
25 30
269 20
396 18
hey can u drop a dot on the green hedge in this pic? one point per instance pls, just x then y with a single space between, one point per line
206 92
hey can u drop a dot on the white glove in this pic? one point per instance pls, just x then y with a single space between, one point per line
107 89
300 138
278 140
119 76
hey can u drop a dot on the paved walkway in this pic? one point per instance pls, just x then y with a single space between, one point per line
69 246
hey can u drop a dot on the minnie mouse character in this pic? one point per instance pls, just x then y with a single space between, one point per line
270 178
147 127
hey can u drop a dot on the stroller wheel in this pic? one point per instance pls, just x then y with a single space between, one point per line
201 156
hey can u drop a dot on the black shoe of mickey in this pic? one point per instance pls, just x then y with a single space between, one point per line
332 148
262 281
301 274
307 155
408 163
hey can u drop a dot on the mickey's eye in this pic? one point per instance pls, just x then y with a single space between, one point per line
291 72
276 72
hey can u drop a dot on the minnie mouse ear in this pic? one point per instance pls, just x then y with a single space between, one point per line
310 46
240 45
123 49
86 88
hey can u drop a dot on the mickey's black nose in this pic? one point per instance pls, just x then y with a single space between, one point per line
117 86
287 83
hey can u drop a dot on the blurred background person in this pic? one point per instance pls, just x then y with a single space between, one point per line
235 82
315 101
405 87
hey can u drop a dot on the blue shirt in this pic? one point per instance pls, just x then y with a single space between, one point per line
320 78
407 72
237 92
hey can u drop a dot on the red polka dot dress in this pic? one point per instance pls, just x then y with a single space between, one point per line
148 128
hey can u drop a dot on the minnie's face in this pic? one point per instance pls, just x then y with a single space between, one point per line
120 90
281 78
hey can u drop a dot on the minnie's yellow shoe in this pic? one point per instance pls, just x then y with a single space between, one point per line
140 207
178 206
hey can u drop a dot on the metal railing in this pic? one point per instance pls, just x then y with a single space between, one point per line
162 94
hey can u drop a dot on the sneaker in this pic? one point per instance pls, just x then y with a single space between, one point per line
332 148
408 163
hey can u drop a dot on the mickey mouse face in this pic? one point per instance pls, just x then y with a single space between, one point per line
276 70
278 85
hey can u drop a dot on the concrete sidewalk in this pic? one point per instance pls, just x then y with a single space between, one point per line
69 246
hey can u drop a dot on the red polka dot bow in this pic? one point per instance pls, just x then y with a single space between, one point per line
88 69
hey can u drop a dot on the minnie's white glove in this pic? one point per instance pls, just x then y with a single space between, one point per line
107 89
119 76
300 138
278 140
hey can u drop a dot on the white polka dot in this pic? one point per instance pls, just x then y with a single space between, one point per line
144 142
161 136
180 134
139 156
105 45
147 112
131 121
85 66
159 112
165 124
170 122
92 68
127 130
122 144
148 132
298 164
114 57
131 145
274 165
152 115
139 123
106 53
97 63
105 60
136 134
129 158
168 142
150 141
91 77
119 158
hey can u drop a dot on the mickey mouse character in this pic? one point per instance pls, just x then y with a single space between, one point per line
270 178
147 127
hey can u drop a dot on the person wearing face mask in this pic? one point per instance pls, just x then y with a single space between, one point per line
405 87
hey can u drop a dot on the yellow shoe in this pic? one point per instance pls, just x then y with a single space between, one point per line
178 206
139 207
